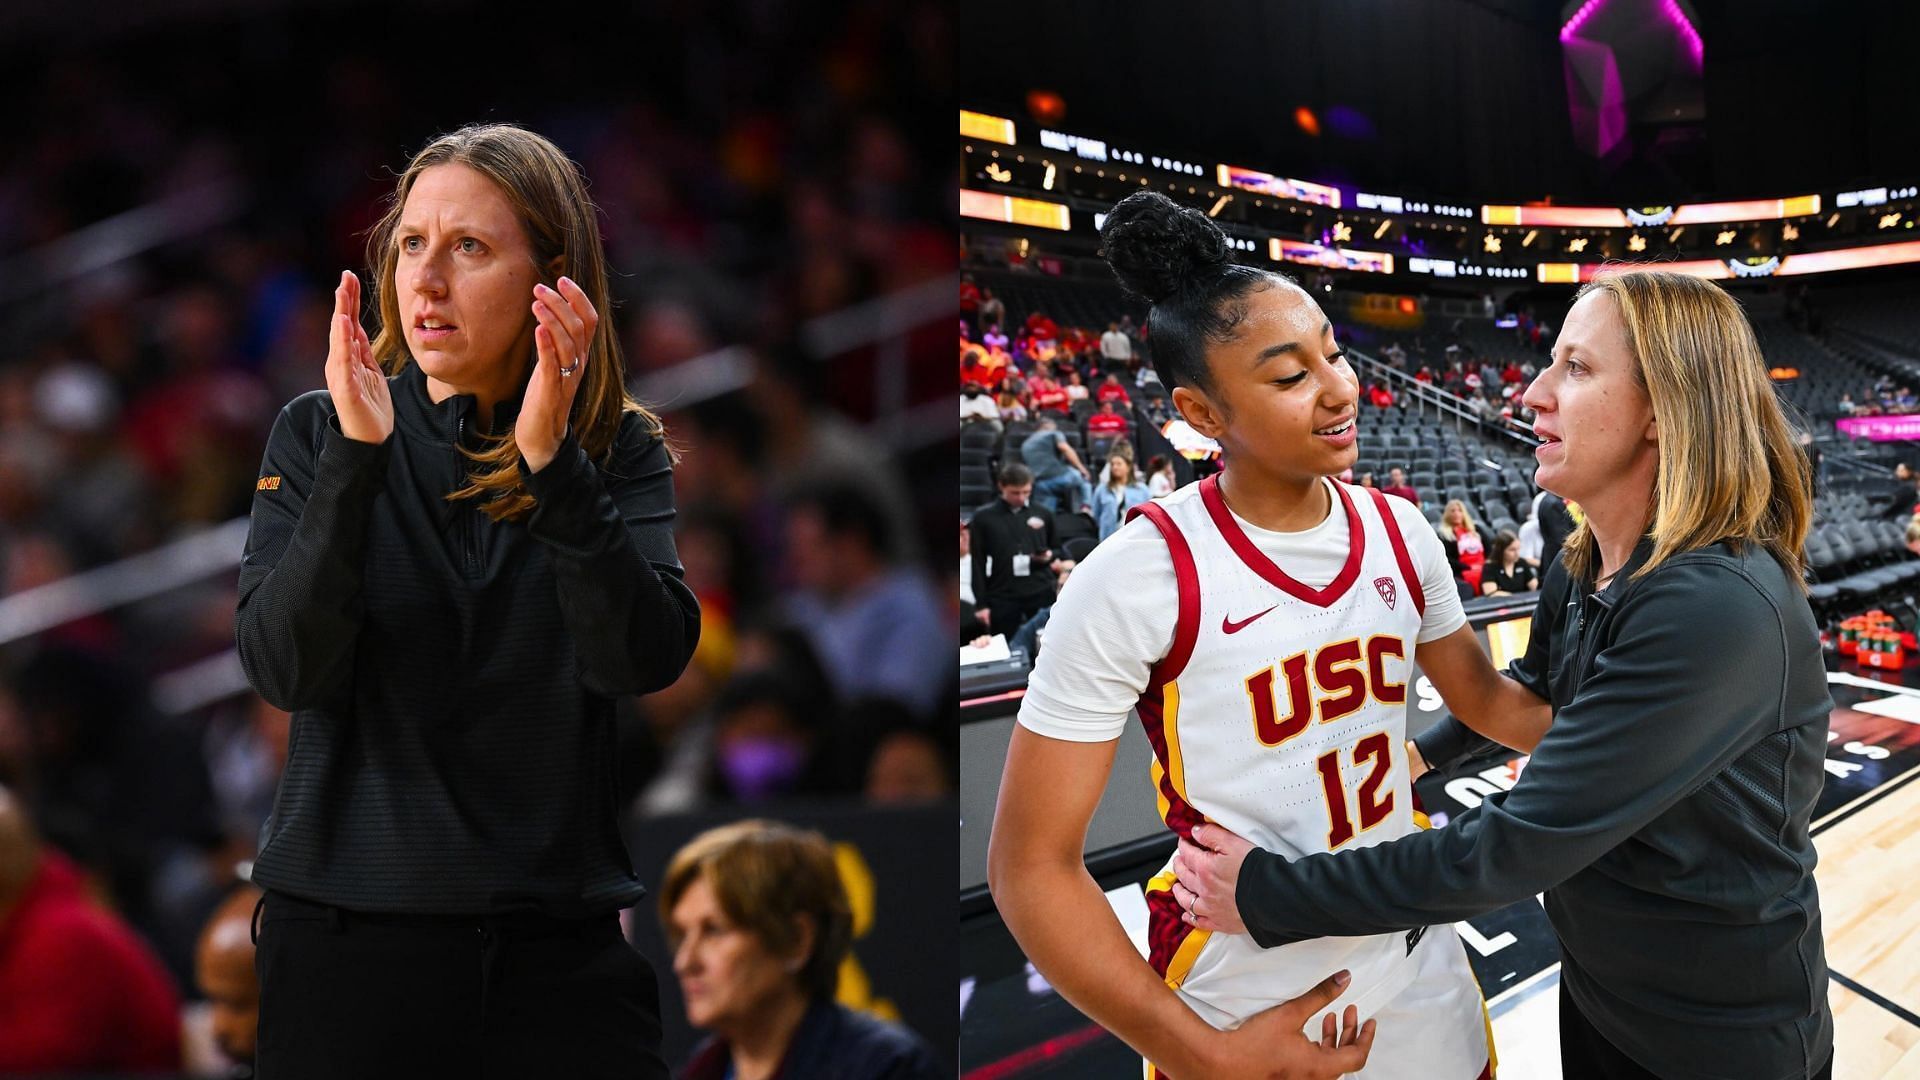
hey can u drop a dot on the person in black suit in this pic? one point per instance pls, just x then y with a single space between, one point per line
1013 545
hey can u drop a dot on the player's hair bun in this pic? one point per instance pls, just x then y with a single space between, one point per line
1160 249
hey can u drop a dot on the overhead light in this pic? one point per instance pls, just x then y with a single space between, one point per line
1832 220
1382 230
1490 243
1047 183
1636 242
1342 232
1578 244
1724 237
1788 232
1531 233
1674 236
1218 206
1888 221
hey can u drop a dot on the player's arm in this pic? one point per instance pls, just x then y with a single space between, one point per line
1063 923
1057 912
1480 696
1112 621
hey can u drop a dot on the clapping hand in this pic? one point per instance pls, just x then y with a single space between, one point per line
562 339
361 398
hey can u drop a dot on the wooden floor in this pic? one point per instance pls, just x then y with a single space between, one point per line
1869 878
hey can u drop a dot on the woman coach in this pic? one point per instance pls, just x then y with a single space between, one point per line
461 554
1665 809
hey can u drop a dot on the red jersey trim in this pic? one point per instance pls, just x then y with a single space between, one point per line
1400 553
1258 562
1186 576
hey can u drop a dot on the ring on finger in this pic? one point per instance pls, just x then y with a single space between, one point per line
567 371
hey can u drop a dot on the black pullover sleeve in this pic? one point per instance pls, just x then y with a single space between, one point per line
300 575
633 620
1644 732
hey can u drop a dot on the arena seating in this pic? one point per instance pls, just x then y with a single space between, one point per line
1857 556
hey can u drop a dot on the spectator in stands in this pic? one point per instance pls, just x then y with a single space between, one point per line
1160 476
994 338
1049 397
1557 523
1111 390
1506 572
1365 480
1107 423
910 766
1901 494
1075 388
1530 542
1397 485
974 616
223 966
1116 348
992 314
969 302
1059 479
1511 375
977 408
1465 551
1913 534
875 625
1043 331
1013 545
1379 396
759 924
1490 376
1425 375
771 740
1395 354
983 367
1846 404
1121 492
1012 400
79 991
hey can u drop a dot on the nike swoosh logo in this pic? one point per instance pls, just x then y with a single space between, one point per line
1228 626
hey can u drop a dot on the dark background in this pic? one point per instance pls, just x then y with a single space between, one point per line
1468 98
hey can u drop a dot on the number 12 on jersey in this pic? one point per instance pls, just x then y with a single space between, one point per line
1372 808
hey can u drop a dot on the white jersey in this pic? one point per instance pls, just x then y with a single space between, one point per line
1279 712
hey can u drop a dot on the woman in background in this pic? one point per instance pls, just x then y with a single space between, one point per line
1119 493
759 923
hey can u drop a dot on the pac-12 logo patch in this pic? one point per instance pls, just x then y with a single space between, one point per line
1388 591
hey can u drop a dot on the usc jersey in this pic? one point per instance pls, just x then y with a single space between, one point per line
1279 712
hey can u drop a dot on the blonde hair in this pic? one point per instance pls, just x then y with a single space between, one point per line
765 874
1466 518
1729 468
549 195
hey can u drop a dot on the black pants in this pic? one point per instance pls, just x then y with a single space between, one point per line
1585 1054
347 994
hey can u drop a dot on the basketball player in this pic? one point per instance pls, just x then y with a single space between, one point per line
1262 623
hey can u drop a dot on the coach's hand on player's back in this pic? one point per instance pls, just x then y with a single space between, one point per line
1272 1046
354 378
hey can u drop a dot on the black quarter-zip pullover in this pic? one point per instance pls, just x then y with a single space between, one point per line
452 679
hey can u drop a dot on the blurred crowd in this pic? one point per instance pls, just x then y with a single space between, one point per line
170 259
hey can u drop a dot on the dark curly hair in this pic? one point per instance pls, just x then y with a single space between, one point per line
1175 258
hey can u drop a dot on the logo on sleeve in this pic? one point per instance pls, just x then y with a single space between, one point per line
1388 591
268 483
